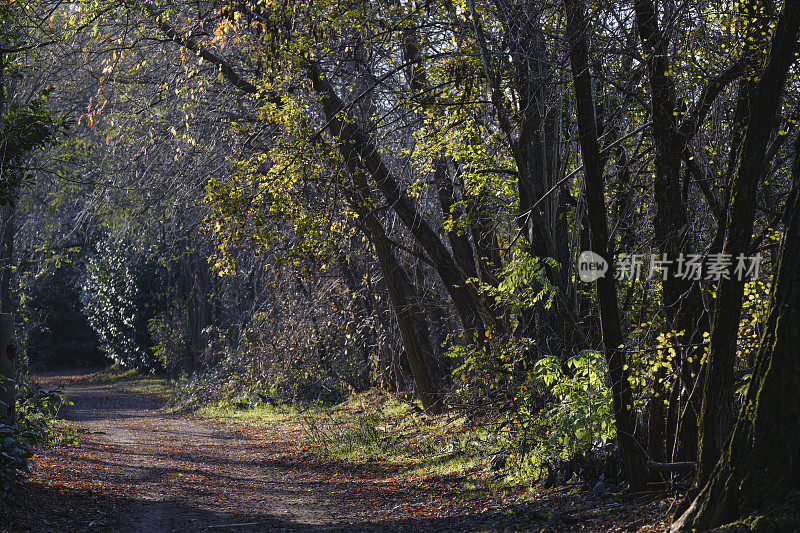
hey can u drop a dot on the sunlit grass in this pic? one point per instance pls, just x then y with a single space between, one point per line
378 427
114 374
132 380
262 414
381 429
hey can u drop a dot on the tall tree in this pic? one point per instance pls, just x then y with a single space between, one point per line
624 413
760 464
718 405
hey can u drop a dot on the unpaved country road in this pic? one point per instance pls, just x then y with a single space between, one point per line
177 473
137 468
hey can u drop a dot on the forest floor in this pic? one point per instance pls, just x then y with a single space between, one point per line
138 468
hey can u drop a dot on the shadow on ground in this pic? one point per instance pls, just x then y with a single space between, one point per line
49 509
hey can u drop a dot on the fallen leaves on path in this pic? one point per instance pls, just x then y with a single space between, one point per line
138 469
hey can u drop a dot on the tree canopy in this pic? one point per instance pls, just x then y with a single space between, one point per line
308 199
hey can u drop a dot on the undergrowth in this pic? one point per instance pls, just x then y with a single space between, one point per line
379 428
546 427
132 380
237 383
36 410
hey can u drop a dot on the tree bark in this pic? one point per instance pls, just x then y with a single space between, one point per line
404 300
403 297
534 144
669 221
452 211
761 462
7 212
355 141
681 298
624 412
8 377
6 216
718 405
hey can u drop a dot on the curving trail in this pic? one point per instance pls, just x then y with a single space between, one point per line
188 473
139 469
162 472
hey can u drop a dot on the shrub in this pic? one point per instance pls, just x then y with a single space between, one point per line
119 303
37 407
539 414
14 455
580 417
169 342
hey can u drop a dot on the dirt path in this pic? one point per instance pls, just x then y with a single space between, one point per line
137 468
166 472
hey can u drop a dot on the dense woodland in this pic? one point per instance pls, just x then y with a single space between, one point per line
296 201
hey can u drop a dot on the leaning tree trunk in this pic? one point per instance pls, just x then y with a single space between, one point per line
717 412
761 463
411 318
355 143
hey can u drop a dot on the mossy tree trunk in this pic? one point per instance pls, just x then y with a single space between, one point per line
761 463
717 413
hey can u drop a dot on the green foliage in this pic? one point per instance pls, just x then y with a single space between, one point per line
168 334
494 373
24 127
118 296
36 409
580 417
14 454
524 282
544 411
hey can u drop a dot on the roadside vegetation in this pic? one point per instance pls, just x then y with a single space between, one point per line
517 242
37 409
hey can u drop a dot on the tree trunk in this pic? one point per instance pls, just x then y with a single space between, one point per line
624 412
718 405
761 463
404 300
7 256
533 142
669 221
412 323
452 213
403 297
355 143
8 377
6 216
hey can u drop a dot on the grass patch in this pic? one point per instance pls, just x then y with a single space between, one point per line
377 430
262 414
132 380
113 374
377 427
